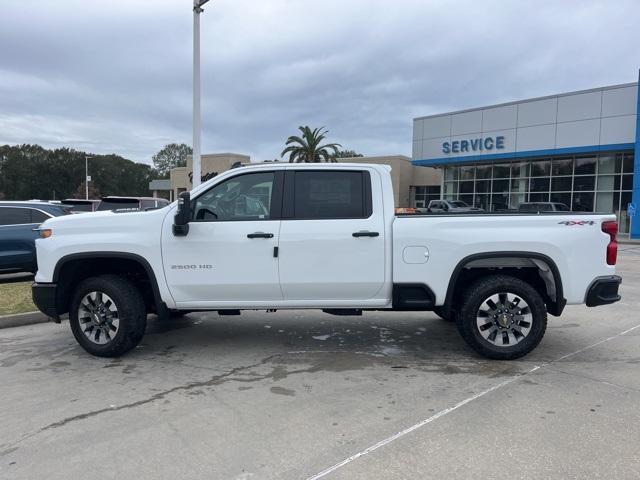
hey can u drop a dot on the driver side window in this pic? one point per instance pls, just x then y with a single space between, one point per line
243 197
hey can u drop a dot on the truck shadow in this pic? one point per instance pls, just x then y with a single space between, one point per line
399 341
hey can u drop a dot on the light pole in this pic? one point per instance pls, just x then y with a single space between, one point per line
86 176
197 168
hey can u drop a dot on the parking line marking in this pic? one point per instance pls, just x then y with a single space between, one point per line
462 403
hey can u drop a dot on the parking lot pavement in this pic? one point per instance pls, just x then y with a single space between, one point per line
306 395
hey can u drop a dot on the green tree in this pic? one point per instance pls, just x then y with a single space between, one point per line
30 171
308 147
348 154
171 156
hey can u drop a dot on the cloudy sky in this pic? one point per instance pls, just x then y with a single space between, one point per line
115 76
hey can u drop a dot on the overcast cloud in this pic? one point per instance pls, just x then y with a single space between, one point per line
115 76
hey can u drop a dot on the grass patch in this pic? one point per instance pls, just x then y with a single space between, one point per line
16 298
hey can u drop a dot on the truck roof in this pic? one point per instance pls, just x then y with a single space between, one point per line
313 166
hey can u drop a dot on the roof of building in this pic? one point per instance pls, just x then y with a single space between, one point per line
534 99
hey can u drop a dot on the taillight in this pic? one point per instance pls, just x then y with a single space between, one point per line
611 229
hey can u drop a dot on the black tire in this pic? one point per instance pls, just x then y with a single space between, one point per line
477 296
440 311
130 309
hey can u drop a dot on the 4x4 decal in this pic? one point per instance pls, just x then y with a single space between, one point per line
570 223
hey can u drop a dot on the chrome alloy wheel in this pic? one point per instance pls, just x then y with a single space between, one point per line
98 317
504 319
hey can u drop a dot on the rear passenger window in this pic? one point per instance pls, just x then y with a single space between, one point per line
37 216
14 216
331 194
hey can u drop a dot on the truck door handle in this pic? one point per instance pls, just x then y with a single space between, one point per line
364 233
260 235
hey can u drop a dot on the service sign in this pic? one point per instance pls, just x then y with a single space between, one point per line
479 144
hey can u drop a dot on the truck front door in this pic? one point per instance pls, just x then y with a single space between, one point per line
228 257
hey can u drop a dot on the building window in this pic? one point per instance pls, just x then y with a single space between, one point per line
423 195
584 183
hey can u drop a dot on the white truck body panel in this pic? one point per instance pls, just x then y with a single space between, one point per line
577 250
320 264
134 233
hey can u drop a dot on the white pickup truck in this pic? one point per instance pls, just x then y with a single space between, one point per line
312 236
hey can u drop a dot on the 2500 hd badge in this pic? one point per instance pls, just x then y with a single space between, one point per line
191 267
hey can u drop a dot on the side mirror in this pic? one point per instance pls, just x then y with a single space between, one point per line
183 215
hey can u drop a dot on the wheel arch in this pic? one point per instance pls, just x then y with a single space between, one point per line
554 297
66 276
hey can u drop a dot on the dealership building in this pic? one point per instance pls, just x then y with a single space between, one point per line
580 149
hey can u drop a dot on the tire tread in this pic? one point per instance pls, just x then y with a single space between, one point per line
131 308
478 291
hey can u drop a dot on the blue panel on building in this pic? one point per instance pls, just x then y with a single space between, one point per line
635 226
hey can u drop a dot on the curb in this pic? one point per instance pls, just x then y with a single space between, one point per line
21 319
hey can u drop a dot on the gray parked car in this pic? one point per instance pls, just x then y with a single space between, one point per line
451 206
131 203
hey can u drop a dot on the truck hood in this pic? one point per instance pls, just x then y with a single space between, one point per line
108 220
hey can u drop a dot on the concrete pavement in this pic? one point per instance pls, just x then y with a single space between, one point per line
298 394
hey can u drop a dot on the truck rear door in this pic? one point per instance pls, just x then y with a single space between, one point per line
332 236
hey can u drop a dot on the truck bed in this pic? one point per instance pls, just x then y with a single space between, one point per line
434 245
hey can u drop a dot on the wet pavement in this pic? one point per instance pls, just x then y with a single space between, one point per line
302 394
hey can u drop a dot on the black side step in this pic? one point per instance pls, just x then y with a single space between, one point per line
228 312
343 311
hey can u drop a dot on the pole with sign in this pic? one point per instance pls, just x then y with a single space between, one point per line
631 212
87 178
197 168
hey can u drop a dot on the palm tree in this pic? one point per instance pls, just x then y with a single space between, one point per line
307 149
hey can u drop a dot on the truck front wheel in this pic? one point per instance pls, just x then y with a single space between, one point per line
107 315
502 317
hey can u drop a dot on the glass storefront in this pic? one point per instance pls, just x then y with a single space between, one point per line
423 195
585 183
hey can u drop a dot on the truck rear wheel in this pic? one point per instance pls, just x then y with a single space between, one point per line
107 315
502 317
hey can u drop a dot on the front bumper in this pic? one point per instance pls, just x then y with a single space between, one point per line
44 296
603 291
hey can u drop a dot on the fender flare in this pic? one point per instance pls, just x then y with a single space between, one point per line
555 307
157 297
